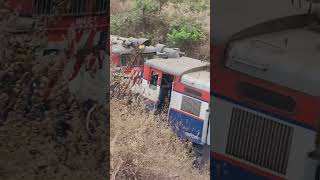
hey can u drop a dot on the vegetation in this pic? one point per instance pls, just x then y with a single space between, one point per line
165 21
185 32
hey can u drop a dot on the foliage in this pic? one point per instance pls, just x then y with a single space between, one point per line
124 24
150 6
146 6
196 6
131 24
156 36
167 22
199 5
185 31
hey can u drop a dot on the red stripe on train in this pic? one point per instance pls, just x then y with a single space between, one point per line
225 82
187 114
179 87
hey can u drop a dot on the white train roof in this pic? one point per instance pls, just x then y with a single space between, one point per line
117 39
289 58
199 80
177 66
120 49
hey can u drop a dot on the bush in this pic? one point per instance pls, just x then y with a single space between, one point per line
184 32
136 23
146 6
195 6
199 5
124 24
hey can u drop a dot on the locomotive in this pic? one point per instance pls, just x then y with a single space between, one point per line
77 27
265 99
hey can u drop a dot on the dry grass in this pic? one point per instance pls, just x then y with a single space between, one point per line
143 146
118 6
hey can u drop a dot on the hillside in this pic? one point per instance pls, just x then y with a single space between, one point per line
184 24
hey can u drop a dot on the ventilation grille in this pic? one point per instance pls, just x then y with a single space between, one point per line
101 5
42 7
71 7
259 140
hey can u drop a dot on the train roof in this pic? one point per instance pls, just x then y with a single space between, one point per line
117 39
177 66
289 58
118 48
149 49
199 80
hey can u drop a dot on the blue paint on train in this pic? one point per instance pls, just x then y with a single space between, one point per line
186 126
221 170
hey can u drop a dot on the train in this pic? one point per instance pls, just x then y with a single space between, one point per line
265 99
78 28
129 54
166 78
184 83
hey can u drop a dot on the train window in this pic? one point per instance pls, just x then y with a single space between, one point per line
42 7
266 97
148 55
192 92
50 51
154 80
100 6
191 106
124 59
78 6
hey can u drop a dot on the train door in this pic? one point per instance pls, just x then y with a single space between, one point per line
150 89
165 91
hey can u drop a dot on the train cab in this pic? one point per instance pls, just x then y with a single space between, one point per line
189 106
159 75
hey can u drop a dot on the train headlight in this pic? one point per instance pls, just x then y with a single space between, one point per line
142 46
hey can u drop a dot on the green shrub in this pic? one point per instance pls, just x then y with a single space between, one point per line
184 32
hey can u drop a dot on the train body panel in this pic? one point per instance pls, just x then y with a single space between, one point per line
189 106
282 143
188 120
264 105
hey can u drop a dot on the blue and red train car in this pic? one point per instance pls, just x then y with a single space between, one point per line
183 83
